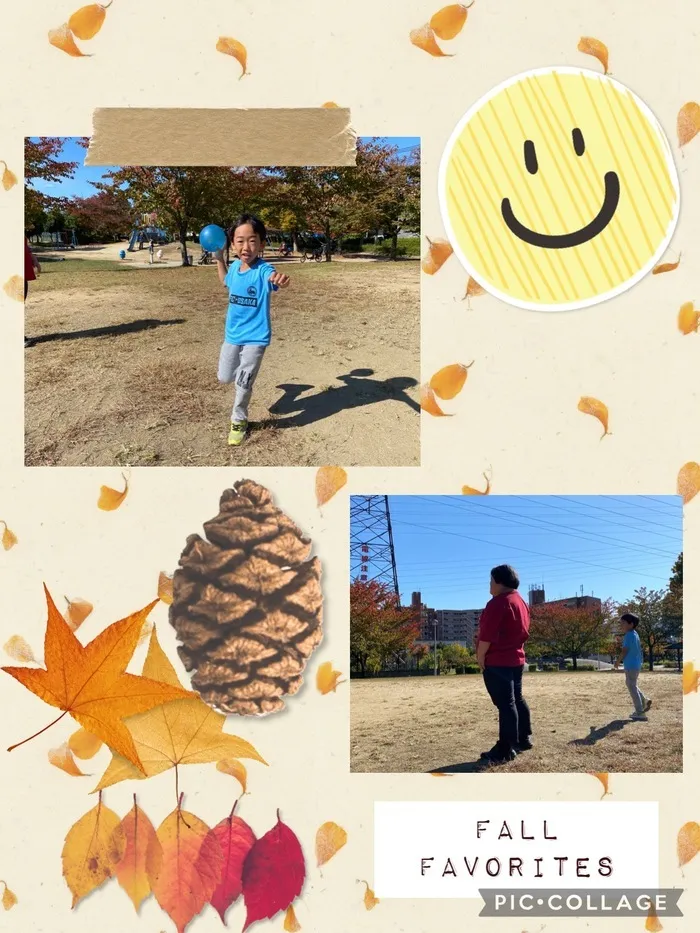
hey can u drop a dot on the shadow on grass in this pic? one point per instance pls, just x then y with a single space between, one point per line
464 767
596 735
114 330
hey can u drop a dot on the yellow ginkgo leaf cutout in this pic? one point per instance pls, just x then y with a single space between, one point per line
449 21
16 647
449 381
439 251
291 924
62 758
592 406
330 105
86 22
596 48
62 38
690 677
110 499
428 402
688 482
9 179
329 479
473 289
688 318
370 900
327 679
9 898
471 491
652 923
165 587
77 612
234 48
84 744
688 843
9 538
666 266
330 838
688 122
604 779
14 288
236 769
424 38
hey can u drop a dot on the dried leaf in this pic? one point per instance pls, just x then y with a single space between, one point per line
146 631
142 858
449 21
329 479
190 868
236 839
688 843
370 900
9 898
273 873
471 491
247 604
236 769
595 48
62 758
236 49
449 381
86 22
441 774
84 744
111 499
591 406
62 38
9 179
327 678
77 612
473 288
16 647
439 251
666 266
89 681
165 587
688 122
690 678
14 288
291 924
688 318
9 538
93 848
330 838
424 38
688 482
329 104
653 924
604 779
428 402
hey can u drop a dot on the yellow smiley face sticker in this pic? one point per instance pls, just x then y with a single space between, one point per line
558 189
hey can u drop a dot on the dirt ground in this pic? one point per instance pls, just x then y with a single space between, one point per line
122 368
580 723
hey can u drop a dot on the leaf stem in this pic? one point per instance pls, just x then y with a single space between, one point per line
17 744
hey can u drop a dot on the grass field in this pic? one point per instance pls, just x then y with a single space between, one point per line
122 370
580 723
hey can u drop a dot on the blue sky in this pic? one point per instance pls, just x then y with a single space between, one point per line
611 545
79 185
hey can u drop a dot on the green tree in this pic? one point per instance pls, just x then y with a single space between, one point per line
654 629
673 602
42 161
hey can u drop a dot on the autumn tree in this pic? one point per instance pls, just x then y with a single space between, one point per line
655 628
567 631
673 602
42 161
102 217
380 629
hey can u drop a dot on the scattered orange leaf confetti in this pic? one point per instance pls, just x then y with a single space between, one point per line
471 491
449 21
327 678
449 381
77 612
236 769
92 850
9 538
591 406
596 48
14 288
62 758
329 105
653 924
18 649
440 774
110 499
690 678
604 779
688 318
473 288
84 744
9 179
429 403
439 251
62 38
9 898
142 856
688 482
424 38
329 479
86 22
234 48
330 838
291 924
165 587
666 266
688 843
370 900
688 122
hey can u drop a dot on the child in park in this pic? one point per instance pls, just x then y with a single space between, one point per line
632 657
249 280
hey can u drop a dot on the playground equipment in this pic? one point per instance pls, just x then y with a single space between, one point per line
122 254
212 238
147 231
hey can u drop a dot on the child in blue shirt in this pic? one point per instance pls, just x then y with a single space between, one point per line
632 658
249 281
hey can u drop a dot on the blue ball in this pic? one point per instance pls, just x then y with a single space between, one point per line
212 238
122 254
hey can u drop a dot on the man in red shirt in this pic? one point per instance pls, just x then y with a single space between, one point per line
503 630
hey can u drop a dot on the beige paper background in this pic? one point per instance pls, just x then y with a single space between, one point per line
517 415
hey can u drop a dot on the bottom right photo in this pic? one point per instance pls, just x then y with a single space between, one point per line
516 633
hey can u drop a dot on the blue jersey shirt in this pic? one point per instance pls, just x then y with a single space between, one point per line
634 657
248 315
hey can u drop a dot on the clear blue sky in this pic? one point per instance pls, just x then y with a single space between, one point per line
611 545
79 185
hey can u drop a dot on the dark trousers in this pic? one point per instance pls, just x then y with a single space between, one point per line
505 687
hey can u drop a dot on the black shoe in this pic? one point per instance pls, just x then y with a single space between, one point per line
496 755
524 746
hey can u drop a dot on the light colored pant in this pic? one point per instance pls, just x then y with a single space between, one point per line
638 698
240 364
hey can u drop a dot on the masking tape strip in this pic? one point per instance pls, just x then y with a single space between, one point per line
189 136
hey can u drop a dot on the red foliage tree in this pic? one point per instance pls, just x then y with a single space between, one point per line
380 629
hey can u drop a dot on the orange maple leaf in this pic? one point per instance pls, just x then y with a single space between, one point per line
90 683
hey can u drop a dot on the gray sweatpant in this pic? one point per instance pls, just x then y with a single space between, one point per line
638 698
240 364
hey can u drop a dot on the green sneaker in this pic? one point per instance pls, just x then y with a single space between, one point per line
237 434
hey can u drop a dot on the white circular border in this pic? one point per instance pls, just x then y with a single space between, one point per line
573 305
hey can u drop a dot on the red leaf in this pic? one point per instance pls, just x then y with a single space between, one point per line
273 873
236 839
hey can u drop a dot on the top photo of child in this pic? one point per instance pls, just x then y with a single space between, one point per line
213 316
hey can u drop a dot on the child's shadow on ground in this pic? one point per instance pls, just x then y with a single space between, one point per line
357 391
596 735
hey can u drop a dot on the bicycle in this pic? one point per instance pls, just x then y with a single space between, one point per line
314 254
206 258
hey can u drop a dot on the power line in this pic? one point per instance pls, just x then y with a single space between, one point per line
612 511
607 521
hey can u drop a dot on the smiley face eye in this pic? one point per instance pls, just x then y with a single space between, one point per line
577 139
530 156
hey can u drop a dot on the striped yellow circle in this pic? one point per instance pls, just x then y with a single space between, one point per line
558 189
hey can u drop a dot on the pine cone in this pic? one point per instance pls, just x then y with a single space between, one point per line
247 604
